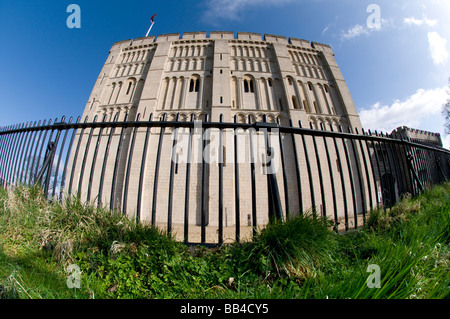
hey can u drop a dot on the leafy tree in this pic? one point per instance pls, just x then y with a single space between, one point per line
446 113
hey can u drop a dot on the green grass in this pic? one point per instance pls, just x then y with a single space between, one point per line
301 258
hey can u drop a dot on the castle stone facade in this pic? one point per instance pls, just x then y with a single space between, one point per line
222 76
221 73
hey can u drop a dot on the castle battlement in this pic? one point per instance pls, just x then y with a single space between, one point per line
238 37
419 136
224 72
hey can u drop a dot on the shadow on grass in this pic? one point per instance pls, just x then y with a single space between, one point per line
33 276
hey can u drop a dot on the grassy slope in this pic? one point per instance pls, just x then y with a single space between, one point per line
298 259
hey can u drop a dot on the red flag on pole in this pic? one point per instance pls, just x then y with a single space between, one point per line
152 19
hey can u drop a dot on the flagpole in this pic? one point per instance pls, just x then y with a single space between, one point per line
150 28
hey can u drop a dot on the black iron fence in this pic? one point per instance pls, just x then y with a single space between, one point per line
212 182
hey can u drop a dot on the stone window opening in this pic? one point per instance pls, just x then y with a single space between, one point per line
193 85
249 86
295 102
176 164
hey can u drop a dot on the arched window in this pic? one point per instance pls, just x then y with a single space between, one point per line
258 52
249 99
112 92
249 86
305 105
193 85
193 96
295 102
315 107
245 86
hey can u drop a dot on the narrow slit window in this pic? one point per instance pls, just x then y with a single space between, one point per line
245 86
224 156
176 164
196 84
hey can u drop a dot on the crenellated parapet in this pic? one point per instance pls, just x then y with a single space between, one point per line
418 136
222 72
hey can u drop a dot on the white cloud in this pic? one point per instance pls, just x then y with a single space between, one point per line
437 46
445 141
419 22
354 32
234 9
359 30
416 111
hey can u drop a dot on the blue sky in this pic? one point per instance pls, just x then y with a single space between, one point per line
397 73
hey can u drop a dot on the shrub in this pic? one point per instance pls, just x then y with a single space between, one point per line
294 248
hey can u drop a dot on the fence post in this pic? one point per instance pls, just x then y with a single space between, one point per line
236 187
60 155
127 174
221 183
171 177
297 170
412 170
283 165
319 171
187 183
203 217
142 170
252 172
308 166
330 170
47 166
275 210
155 180
344 193
438 163
119 157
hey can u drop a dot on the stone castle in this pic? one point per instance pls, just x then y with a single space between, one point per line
221 76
